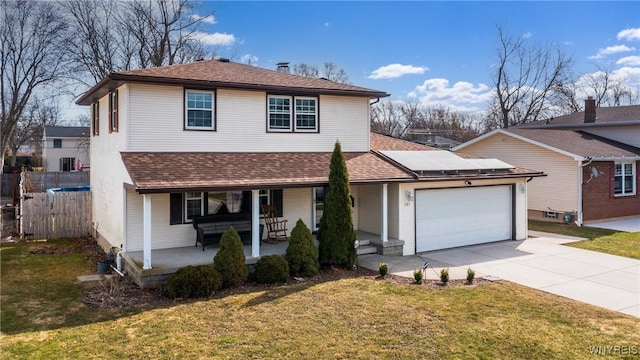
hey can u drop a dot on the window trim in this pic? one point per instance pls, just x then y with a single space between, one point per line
634 185
72 164
186 208
95 118
113 111
57 141
295 116
293 126
186 109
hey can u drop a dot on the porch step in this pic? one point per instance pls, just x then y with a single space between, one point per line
364 242
367 249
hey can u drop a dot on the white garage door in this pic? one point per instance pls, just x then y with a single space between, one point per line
448 218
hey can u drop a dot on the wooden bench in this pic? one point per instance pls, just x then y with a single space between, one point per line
209 228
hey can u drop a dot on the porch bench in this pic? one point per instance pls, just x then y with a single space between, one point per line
209 228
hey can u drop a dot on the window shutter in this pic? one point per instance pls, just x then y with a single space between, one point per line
175 204
276 200
612 179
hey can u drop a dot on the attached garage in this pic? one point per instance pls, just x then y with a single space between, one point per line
453 217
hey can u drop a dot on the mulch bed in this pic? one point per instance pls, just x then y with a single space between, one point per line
118 293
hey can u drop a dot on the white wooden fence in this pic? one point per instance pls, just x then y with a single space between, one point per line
54 216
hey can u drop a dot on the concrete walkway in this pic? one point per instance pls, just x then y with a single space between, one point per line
629 224
543 263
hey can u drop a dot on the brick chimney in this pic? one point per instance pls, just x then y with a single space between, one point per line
590 110
283 67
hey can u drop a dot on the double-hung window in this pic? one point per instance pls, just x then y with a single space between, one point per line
625 178
113 111
292 113
199 110
193 205
57 143
306 114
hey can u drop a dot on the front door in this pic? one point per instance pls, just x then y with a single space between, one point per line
318 206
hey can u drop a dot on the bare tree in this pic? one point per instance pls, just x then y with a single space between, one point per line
31 57
390 117
524 78
30 127
330 71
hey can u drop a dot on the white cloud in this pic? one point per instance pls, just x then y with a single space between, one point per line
393 71
627 75
527 35
215 38
629 61
629 34
248 59
611 50
462 96
209 19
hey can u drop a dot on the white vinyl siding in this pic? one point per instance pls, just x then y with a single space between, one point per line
558 191
240 123
629 134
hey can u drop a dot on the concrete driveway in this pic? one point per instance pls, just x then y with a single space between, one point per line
608 281
629 224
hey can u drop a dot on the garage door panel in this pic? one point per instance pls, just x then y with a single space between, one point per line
464 216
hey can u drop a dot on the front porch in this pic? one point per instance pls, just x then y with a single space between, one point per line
167 261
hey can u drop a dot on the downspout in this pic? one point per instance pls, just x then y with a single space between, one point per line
581 165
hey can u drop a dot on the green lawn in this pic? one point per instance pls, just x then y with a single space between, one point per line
43 317
601 240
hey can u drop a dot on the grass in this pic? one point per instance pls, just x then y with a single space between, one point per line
601 240
347 318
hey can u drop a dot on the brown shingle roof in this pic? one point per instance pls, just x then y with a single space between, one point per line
382 142
604 116
219 74
149 171
579 143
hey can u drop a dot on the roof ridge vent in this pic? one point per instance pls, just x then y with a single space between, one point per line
224 60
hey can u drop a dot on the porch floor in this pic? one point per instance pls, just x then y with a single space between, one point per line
193 255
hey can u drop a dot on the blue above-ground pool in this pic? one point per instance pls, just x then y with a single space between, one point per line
69 189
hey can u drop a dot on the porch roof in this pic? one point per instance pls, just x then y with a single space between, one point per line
181 171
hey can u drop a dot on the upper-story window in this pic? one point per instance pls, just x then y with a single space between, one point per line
625 178
113 111
57 143
199 110
282 110
95 118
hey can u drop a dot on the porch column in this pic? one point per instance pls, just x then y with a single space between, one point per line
146 232
385 214
255 223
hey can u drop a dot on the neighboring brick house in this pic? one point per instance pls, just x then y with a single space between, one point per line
65 148
173 142
592 159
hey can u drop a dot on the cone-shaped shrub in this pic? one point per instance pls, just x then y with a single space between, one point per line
336 235
272 269
230 260
301 254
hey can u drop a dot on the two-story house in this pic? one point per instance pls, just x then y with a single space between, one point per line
174 142
591 157
65 148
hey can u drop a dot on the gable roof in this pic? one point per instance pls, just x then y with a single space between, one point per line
226 74
576 144
66 131
605 116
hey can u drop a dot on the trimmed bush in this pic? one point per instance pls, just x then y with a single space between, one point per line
230 260
470 275
272 269
194 282
418 275
383 269
444 276
301 254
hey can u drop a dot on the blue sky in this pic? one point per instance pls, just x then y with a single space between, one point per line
439 53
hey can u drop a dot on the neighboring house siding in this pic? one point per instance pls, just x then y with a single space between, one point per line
598 199
629 134
108 174
241 123
71 148
558 191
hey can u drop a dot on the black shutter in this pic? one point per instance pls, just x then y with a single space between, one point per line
175 204
276 200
